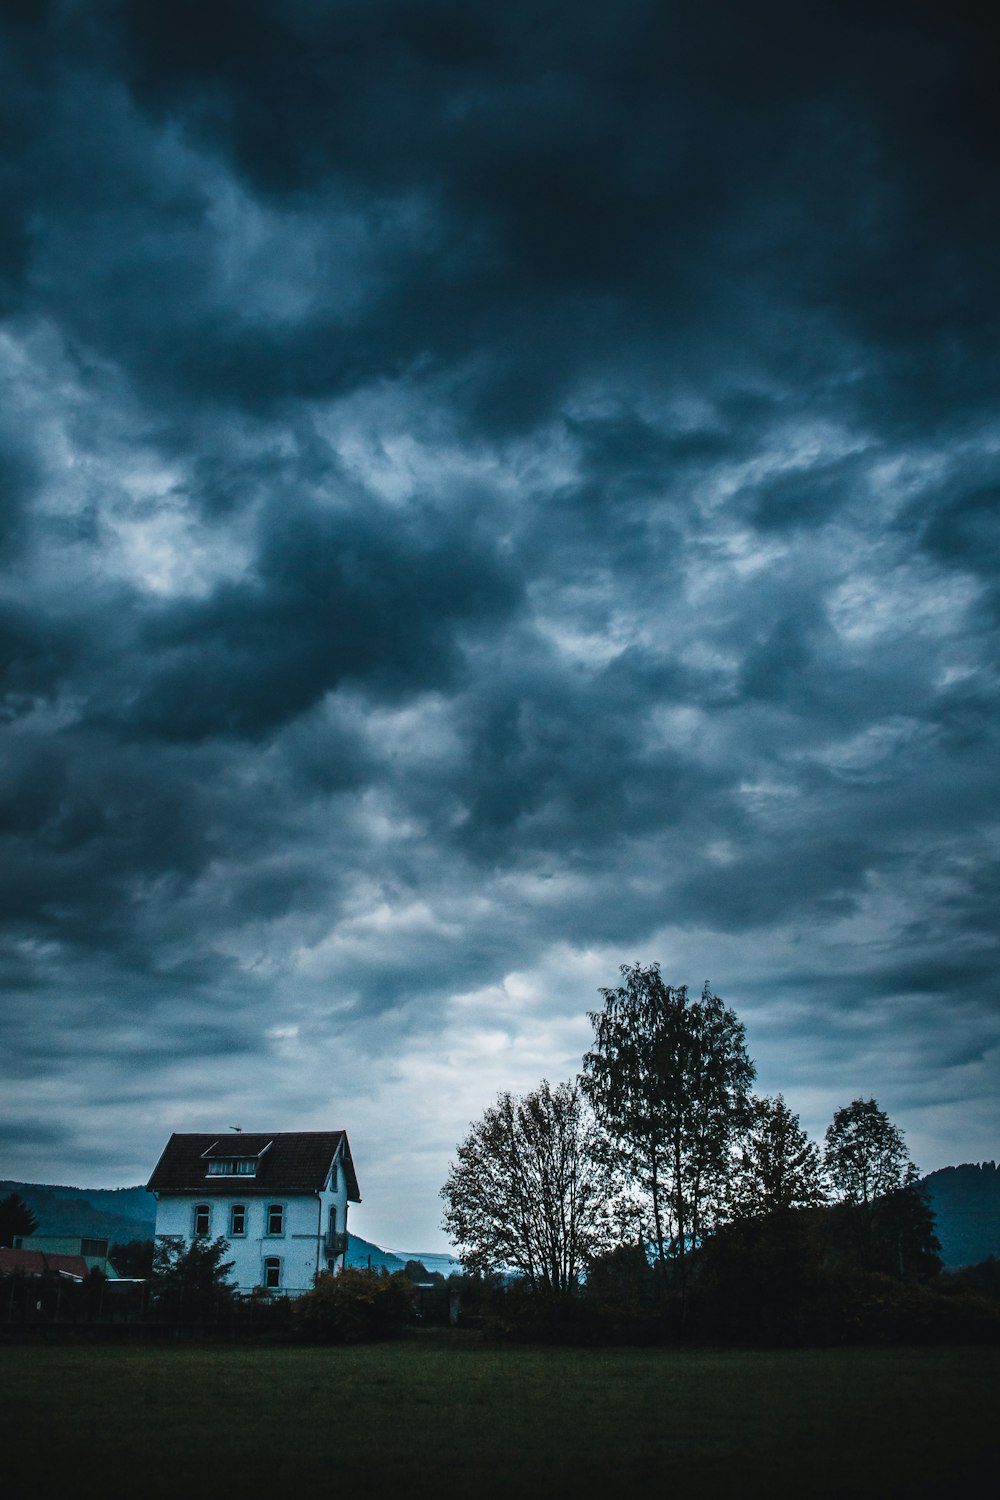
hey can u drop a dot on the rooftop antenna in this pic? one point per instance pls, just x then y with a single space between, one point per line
237 1128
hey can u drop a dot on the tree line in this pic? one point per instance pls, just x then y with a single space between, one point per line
659 1168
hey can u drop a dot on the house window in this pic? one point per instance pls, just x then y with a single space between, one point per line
272 1273
275 1218
239 1166
201 1218
238 1219
334 1177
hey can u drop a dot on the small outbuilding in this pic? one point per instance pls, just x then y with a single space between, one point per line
93 1252
42 1263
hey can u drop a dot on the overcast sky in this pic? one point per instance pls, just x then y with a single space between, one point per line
490 493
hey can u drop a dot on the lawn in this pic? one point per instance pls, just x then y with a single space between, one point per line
451 1418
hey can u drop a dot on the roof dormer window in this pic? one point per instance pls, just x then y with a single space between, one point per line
233 1166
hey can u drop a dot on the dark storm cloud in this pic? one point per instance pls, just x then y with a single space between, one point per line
377 598
17 478
34 655
543 200
483 491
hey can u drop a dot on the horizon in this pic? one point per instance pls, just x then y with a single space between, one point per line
404 1254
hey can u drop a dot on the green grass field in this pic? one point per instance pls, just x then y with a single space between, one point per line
451 1418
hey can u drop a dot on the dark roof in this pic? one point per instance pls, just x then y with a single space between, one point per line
290 1161
238 1144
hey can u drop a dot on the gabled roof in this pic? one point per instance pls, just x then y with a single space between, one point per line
40 1263
289 1161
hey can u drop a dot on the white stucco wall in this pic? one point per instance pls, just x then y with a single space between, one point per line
299 1247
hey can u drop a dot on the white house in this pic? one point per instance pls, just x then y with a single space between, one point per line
280 1200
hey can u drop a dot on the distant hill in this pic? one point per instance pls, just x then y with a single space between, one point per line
123 1214
966 1203
395 1260
965 1199
433 1260
363 1253
120 1214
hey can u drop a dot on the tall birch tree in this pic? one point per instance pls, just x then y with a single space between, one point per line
866 1156
669 1079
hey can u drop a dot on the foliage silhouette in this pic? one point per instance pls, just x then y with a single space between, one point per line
16 1219
777 1166
353 1306
191 1280
526 1193
669 1080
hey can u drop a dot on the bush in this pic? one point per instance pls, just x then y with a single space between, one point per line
872 1308
983 1279
191 1281
132 1258
626 1300
353 1307
752 1279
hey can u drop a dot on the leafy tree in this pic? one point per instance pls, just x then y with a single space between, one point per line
15 1218
903 1233
777 1166
884 1221
757 1275
191 1279
132 1257
525 1192
669 1079
623 1293
894 1236
866 1156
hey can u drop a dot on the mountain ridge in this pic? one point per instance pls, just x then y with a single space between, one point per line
966 1204
965 1199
